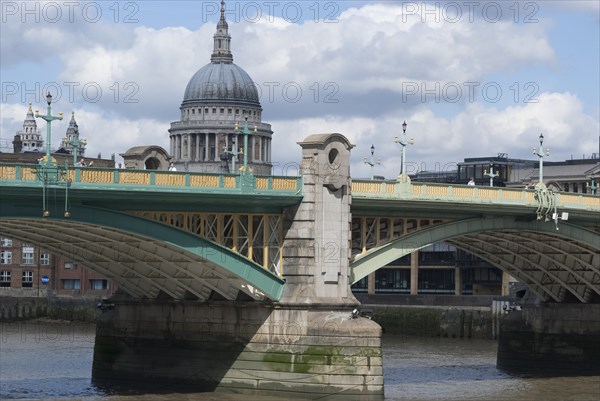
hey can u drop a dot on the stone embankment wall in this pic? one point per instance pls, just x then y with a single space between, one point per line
434 315
551 339
13 308
433 321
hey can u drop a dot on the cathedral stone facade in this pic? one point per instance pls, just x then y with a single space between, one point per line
28 139
219 96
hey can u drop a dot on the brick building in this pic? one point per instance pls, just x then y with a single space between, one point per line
30 271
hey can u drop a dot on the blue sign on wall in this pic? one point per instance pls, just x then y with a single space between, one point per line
45 280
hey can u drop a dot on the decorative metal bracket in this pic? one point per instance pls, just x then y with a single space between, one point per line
51 174
546 203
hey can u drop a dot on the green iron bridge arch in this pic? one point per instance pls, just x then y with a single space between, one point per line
143 257
553 263
99 218
196 235
519 231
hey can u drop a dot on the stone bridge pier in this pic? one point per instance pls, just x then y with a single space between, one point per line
308 344
551 339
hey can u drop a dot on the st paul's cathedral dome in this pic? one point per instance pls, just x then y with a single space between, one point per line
217 97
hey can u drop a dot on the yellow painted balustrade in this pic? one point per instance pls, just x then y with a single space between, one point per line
94 176
285 184
8 172
262 183
134 177
205 181
28 174
512 194
229 182
175 180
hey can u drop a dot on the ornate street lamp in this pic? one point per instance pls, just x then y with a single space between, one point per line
48 118
232 154
404 142
246 132
75 143
49 170
540 153
491 174
371 161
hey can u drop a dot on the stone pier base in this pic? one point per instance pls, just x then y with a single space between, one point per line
239 347
551 339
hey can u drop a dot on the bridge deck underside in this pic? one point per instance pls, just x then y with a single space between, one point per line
142 266
558 265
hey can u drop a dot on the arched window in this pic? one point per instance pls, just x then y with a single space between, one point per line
152 163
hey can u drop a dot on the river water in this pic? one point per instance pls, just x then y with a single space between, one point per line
52 360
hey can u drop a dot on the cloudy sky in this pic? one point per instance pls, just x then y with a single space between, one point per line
470 78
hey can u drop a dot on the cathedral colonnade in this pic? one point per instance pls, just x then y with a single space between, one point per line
208 146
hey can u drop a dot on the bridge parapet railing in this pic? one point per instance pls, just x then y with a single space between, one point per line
367 189
25 174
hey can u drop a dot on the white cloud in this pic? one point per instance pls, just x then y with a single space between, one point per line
478 131
375 47
369 50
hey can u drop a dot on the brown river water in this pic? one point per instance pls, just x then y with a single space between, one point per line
53 361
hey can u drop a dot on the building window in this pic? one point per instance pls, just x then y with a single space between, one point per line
575 187
27 256
206 110
436 281
71 284
99 284
70 265
193 111
5 242
44 259
27 280
237 112
214 110
392 280
229 111
5 279
222 110
6 257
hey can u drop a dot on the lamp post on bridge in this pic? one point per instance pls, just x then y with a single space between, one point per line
48 118
404 142
371 161
76 143
49 170
246 132
491 174
233 154
540 153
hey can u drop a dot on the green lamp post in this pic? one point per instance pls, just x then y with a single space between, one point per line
491 174
76 144
540 153
48 118
49 170
403 141
372 162
246 132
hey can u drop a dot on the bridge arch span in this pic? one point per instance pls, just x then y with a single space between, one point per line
557 265
143 257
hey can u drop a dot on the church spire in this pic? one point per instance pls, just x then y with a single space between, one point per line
222 49
222 20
